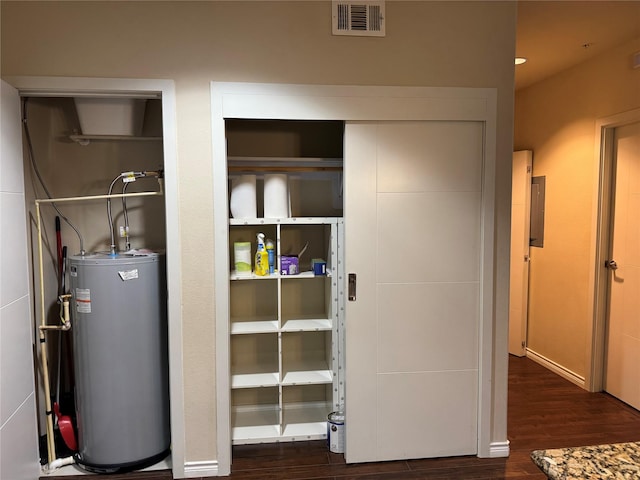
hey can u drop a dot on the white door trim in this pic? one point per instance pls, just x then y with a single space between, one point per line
70 86
364 103
600 242
519 271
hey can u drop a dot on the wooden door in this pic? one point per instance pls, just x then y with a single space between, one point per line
622 371
413 219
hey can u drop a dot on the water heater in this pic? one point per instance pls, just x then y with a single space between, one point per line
119 325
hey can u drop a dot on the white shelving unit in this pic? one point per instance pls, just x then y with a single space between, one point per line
286 374
285 340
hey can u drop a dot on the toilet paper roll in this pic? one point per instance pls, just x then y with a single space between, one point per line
243 197
276 196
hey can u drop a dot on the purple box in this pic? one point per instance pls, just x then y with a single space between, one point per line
289 265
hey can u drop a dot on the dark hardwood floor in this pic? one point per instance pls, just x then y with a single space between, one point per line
544 411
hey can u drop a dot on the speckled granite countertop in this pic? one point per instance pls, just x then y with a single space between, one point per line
619 461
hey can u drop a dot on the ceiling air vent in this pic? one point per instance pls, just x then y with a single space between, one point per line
358 17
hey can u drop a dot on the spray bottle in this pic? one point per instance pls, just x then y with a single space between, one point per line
261 266
271 253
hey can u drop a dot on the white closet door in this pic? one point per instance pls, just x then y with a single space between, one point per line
623 341
519 268
413 195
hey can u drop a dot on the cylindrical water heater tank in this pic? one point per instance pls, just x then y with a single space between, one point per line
119 325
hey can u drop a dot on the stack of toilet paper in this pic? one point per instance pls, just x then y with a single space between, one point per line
276 196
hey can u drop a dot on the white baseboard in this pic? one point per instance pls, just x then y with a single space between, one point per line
556 368
200 469
499 449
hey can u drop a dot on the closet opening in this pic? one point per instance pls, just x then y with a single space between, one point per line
94 170
285 321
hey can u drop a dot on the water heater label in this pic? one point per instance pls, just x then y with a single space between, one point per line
83 300
128 274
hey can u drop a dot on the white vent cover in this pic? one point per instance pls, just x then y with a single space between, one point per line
358 17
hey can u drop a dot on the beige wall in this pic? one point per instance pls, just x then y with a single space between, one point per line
556 119
427 44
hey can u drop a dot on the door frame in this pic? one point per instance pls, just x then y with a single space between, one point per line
359 103
165 90
523 258
601 244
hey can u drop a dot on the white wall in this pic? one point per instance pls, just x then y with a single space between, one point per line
465 44
18 444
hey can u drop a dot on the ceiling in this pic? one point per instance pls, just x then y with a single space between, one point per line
556 35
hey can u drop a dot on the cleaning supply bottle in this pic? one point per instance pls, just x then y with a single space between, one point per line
271 253
261 266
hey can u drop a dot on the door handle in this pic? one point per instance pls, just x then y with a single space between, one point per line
352 287
611 264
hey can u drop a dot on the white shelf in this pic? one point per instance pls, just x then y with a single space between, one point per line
260 326
285 221
284 164
305 421
305 274
252 276
255 434
274 276
255 423
305 431
307 325
296 161
271 433
86 139
313 324
307 377
271 326
259 423
254 380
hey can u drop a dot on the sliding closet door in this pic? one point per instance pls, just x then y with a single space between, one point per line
413 206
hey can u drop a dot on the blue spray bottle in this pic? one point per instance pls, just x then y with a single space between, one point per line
271 254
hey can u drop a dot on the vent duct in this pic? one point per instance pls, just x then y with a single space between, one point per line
363 18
